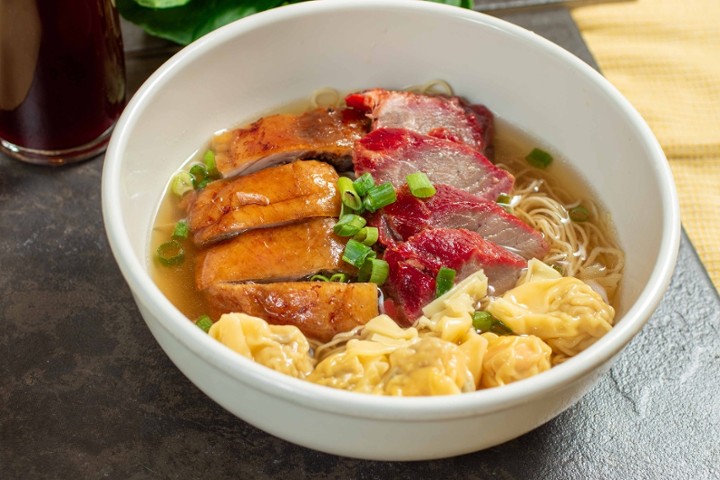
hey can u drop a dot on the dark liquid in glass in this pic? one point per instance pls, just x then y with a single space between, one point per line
62 72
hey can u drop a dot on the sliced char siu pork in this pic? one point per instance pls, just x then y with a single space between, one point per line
264 199
322 134
319 309
390 154
277 254
414 264
439 116
453 208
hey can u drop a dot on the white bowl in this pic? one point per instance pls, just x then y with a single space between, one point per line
238 72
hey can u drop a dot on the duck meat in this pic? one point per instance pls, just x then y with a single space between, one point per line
285 253
454 208
321 134
414 264
267 198
390 154
451 118
319 309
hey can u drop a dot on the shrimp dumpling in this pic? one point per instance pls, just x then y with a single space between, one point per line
283 348
510 358
564 312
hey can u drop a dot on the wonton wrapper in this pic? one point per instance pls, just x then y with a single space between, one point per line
564 312
281 347
511 358
394 361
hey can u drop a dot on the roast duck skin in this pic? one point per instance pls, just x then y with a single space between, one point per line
267 198
319 309
321 134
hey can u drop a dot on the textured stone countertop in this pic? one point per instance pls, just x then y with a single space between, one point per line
85 392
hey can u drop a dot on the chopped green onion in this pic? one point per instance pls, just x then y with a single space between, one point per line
364 183
374 271
210 165
182 230
319 278
444 281
485 322
170 253
539 158
420 185
504 199
579 214
349 225
182 183
204 322
348 194
367 236
379 196
199 173
356 253
558 268
338 277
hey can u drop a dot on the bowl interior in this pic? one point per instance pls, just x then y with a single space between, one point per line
241 71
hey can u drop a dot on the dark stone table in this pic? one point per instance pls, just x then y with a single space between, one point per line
85 392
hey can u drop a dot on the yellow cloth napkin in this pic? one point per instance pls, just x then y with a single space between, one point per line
664 56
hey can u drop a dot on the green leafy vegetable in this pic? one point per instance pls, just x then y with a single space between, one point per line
183 21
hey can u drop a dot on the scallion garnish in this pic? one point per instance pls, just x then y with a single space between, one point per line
210 165
483 321
420 185
504 199
379 196
182 183
539 158
338 277
364 183
349 225
444 281
199 174
579 214
182 230
367 236
356 253
204 322
348 194
319 278
374 271
171 253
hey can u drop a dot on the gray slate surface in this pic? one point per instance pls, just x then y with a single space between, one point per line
85 392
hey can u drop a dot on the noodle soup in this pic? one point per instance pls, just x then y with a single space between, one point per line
467 338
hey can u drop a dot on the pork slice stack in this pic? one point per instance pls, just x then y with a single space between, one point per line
461 226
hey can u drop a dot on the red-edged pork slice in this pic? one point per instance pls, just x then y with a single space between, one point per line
322 134
414 264
390 154
451 118
453 208
319 309
268 198
278 254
